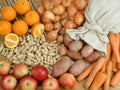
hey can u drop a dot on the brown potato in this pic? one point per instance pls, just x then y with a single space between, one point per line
87 50
93 57
62 50
60 39
67 40
61 66
74 55
78 67
75 46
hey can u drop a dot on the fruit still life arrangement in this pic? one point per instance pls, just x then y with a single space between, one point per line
39 52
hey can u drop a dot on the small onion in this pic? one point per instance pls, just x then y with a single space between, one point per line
64 21
79 19
60 39
47 4
40 9
56 2
66 3
57 25
49 15
64 15
80 4
45 20
58 10
69 25
57 18
62 31
52 35
72 10
49 26
62 50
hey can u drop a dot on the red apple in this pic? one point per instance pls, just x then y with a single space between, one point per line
67 80
4 67
20 70
50 84
8 82
28 83
39 72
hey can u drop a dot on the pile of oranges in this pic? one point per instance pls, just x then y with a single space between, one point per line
12 29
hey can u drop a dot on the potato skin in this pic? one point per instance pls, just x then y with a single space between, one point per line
75 46
87 50
78 67
74 55
61 66
93 57
67 40
62 50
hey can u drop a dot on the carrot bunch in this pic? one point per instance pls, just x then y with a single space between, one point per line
106 70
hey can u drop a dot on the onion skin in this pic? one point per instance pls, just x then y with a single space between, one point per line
69 25
57 18
58 10
56 2
52 35
47 4
49 15
62 50
66 3
40 9
80 4
60 39
79 19
49 26
57 25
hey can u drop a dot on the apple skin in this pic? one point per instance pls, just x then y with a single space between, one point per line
28 83
39 72
67 80
4 67
20 70
50 84
8 82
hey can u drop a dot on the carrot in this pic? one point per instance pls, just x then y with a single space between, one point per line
114 62
107 57
85 73
96 69
115 45
109 74
115 79
99 80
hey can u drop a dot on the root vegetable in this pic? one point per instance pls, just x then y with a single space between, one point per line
87 50
64 15
45 20
40 9
52 35
57 18
62 31
62 50
48 26
74 55
64 21
75 46
69 24
57 25
80 4
66 3
78 67
72 10
49 15
56 2
61 66
67 40
47 4
58 10
60 39
93 57
79 19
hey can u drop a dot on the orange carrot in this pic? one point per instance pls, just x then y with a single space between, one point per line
115 79
96 69
115 45
99 80
85 73
107 57
109 74
114 63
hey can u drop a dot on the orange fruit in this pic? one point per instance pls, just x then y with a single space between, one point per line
32 17
20 27
37 30
5 27
22 6
8 13
11 40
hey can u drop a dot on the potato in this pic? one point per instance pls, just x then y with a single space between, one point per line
87 50
75 46
74 55
93 57
62 50
67 40
61 66
78 67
